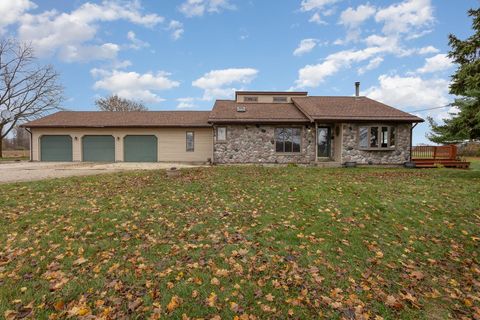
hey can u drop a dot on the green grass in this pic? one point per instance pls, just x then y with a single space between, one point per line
474 163
279 243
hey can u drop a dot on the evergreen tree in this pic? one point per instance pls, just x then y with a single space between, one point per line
465 83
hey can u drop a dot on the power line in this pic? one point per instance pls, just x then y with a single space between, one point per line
447 106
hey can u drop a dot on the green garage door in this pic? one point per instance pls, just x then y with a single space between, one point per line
140 148
56 148
98 148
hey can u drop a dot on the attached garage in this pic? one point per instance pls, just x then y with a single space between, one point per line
143 136
98 148
56 148
140 148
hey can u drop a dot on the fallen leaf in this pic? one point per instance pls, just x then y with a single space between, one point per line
174 303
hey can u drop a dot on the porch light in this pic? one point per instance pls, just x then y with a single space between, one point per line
76 138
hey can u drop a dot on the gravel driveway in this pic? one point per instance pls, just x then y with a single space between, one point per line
30 171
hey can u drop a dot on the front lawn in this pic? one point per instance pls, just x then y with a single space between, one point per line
250 242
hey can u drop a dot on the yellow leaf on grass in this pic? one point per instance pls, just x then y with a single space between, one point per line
234 306
269 297
212 299
79 261
174 303
10 314
59 305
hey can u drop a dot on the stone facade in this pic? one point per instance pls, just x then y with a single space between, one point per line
351 151
256 144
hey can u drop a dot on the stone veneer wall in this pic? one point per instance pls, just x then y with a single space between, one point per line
351 152
256 144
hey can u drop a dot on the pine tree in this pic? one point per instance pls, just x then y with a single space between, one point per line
465 83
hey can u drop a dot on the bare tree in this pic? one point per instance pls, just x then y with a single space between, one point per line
21 138
27 90
115 103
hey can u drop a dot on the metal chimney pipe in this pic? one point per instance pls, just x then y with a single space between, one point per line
357 89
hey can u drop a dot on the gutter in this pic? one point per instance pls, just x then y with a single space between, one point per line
31 143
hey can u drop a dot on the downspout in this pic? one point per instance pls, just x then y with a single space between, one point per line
31 144
411 140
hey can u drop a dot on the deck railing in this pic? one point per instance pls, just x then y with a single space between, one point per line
435 152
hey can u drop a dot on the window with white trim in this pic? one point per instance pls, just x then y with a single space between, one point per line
250 99
221 133
376 137
190 141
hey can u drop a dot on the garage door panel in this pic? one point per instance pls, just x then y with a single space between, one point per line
98 148
140 148
56 148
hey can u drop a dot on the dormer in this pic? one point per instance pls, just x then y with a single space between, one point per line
267 96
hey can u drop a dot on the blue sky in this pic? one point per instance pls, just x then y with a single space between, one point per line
183 54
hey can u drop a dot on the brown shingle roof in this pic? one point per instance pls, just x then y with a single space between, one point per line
350 108
226 111
123 119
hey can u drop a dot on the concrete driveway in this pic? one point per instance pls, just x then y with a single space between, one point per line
30 171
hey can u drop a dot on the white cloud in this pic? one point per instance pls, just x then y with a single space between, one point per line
194 8
372 64
186 103
317 18
132 85
12 10
313 75
320 7
410 92
353 18
53 32
218 83
439 62
428 49
406 17
309 5
136 43
176 27
305 46
106 51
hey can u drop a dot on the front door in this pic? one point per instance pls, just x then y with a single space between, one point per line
324 137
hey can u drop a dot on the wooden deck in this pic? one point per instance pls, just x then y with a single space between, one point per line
435 156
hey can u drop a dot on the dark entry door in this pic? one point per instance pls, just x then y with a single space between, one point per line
324 138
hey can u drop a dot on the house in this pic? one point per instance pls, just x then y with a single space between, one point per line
256 127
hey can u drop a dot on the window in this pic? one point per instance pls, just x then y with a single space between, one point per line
190 141
363 134
279 99
221 133
250 99
287 139
374 137
384 138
